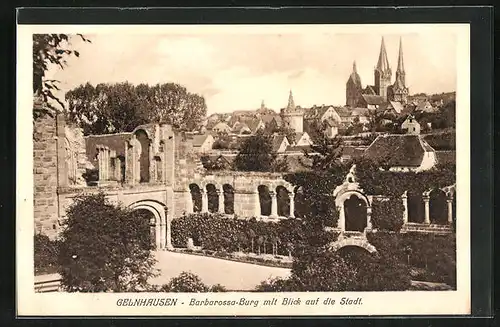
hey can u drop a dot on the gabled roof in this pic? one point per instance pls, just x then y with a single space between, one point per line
373 99
239 126
199 140
316 112
398 150
277 141
370 90
221 124
267 118
397 106
252 123
343 111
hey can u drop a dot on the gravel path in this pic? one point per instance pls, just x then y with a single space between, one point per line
232 275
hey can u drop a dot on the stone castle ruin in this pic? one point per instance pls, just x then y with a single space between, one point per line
155 169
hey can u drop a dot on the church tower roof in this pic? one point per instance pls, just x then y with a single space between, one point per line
401 65
354 77
383 61
291 103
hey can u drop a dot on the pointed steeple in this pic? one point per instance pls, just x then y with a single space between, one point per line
291 103
401 65
383 61
262 105
354 70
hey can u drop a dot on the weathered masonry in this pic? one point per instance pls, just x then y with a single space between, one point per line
155 169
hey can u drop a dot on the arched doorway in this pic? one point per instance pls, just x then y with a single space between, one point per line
228 199
143 138
196 197
355 214
265 200
149 241
416 208
283 201
438 207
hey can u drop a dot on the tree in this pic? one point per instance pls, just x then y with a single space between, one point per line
324 153
256 154
120 107
50 49
104 247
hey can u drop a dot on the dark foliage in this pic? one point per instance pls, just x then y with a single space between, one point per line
104 247
46 253
120 107
256 154
387 214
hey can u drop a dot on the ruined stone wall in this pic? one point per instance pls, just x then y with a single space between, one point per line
45 174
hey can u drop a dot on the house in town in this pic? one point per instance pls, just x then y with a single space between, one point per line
280 143
221 128
411 125
202 142
401 152
302 139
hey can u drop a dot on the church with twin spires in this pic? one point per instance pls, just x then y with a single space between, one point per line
383 89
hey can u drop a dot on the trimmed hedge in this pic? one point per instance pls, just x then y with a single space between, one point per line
219 233
188 282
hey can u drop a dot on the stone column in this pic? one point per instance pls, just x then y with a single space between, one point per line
257 205
105 159
220 195
405 205
189 202
204 200
368 218
292 204
99 164
341 221
427 219
166 239
449 201
274 204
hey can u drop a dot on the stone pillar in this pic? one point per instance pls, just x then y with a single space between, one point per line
99 164
427 219
341 221
189 202
368 218
292 204
404 197
105 158
449 201
274 204
257 204
220 195
166 239
204 200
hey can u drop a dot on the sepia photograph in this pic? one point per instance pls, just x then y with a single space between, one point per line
231 168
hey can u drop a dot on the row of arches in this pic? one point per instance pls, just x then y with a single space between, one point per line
269 202
434 207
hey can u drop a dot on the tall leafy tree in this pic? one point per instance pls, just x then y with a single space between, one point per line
50 49
256 154
120 107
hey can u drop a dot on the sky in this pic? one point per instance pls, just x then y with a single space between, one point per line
237 71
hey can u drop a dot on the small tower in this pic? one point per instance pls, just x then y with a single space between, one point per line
353 87
383 73
399 89
292 116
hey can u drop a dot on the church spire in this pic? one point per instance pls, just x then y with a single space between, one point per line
291 103
401 66
354 70
383 62
262 105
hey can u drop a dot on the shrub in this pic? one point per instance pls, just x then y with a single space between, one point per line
185 282
104 247
188 282
45 254
434 255
387 214
442 141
